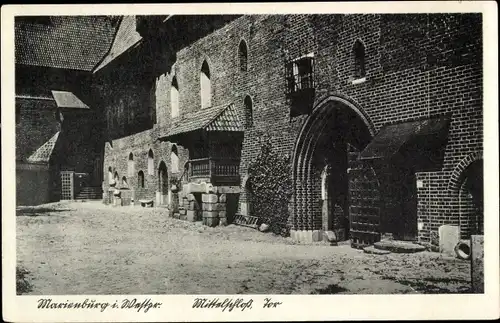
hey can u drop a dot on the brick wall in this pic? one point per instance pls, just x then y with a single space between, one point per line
35 125
416 66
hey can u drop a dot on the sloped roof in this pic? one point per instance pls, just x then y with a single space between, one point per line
42 155
66 99
68 42
392 138
221 118
126 37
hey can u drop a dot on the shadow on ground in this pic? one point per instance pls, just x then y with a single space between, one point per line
330 289
37 211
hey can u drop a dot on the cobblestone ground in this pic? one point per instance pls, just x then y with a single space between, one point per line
91 248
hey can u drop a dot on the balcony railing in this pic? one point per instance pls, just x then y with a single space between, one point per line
215 169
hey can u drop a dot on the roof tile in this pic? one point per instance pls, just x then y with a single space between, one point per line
69 42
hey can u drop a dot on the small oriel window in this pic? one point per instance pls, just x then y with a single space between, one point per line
300 74
359 60
243 56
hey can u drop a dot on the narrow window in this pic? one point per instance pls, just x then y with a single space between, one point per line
359 59
131 165
205 86
151 166
174 160
140 179
116 178
243 56
174 98
110 176
124 182
248 112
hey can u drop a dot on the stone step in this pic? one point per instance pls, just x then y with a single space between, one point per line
397 246
374 251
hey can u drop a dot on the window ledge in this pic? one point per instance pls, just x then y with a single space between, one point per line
359 81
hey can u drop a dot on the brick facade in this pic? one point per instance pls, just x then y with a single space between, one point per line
416 66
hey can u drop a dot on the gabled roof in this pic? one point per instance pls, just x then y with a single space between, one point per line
126 37
221 118
67 42
66 99
42 155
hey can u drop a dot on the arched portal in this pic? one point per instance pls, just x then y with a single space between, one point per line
335 131
163 184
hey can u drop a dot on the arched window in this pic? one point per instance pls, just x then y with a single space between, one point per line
151 163
248 112
174 160
205 86
110 175
140 179
124 182
174 98
359 59
243 56
130 165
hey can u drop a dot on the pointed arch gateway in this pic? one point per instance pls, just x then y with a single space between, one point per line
325 169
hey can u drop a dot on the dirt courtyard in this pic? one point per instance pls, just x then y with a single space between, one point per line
91 248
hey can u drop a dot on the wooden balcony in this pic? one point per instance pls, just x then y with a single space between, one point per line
215 170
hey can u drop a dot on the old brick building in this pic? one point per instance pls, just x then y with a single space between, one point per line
55 126
380 116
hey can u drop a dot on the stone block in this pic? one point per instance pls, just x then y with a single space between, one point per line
222 214
449 236
209 198
221 206
228 189
209 188
329 236
211 222
264 227
210 214
191 215
117 201
182 211
210 206
477 263
222 221
126 201
190 197
222 198
183 217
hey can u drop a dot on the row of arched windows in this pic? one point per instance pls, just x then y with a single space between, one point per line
114 177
